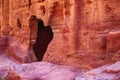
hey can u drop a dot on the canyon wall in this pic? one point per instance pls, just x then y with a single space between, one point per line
82 29
0 15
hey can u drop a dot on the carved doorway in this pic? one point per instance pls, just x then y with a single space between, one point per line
40 37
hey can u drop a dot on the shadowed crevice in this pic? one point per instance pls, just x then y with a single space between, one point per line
44 37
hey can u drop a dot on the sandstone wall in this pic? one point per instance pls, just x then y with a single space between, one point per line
80 28
82 39
0 15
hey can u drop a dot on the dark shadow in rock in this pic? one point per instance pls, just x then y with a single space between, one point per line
44 37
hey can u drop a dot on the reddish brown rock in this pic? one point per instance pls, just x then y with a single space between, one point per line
4 42
113 46
79 27
113 42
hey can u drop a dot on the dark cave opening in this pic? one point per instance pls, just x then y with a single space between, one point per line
44 37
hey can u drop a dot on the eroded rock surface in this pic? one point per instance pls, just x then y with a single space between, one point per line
113 46
11 70
14 49
81 28
106 72
35 71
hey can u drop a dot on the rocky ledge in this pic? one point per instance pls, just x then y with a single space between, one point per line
11 70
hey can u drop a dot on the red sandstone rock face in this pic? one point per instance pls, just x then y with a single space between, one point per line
113 40
81 29
14 49
4 42
113 46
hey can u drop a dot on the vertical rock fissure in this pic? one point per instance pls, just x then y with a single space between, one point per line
43 38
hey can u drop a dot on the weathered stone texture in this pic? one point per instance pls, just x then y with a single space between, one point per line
81 28
113 46
10 70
